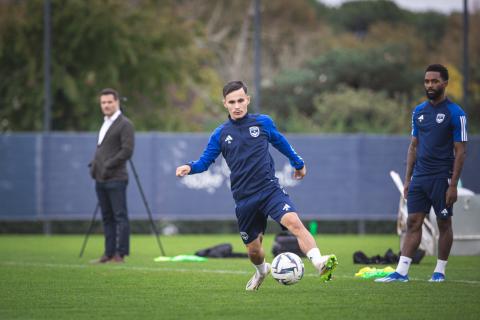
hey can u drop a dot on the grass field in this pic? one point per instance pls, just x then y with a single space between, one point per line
43 278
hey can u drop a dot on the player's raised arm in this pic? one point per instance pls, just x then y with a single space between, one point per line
209 155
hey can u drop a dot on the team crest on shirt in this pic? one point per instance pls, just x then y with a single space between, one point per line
254 131
440 117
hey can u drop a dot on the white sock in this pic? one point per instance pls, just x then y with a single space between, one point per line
261 268
315 257
441 264
403 265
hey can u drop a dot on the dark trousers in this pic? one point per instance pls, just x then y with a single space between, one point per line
113 203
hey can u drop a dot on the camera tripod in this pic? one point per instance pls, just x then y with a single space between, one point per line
147 207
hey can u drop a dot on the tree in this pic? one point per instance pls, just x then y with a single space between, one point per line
290 35
357 16
382 69
142 48
363 110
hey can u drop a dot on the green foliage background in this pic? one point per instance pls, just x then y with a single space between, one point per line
355 68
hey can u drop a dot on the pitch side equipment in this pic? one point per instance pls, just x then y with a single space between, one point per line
147 207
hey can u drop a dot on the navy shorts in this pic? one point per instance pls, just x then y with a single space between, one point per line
423 193
252 212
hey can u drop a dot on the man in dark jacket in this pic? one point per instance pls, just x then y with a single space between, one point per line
109 169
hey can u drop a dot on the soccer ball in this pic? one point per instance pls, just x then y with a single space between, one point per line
287 268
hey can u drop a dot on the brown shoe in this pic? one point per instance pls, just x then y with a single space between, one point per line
102 259
117 259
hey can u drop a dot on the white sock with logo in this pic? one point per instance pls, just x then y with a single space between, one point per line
261 268
403 265
441 264
315 257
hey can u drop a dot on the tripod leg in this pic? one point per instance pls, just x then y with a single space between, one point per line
89 230
147 207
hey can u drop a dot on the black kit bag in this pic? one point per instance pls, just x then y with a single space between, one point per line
359 257
286 242
223 250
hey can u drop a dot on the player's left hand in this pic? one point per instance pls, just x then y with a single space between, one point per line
299 174
451 196
182 171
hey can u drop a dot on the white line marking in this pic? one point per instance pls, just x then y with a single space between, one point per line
159 269
119 267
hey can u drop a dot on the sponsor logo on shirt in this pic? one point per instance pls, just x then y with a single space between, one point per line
420 119
229 139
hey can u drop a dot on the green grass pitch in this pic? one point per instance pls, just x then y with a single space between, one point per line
43 278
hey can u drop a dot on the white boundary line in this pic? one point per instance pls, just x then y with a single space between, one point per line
160 269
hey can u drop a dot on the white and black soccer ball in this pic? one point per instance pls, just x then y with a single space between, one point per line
287 268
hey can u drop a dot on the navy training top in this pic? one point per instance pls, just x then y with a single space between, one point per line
437 127
244 145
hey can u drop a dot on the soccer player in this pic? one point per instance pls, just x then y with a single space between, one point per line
435 158
243 141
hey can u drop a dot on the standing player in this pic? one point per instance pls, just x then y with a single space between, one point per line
243 141
435 158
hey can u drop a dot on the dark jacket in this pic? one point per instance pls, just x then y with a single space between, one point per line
111 156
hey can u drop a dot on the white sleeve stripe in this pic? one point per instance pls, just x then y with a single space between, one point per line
463 122
413 123
461 128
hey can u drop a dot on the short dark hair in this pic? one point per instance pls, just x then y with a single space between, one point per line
438 68
108 91
233 86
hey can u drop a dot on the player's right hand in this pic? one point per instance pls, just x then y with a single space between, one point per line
182 171
299 174
405 190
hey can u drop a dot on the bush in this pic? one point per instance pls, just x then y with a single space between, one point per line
363 110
